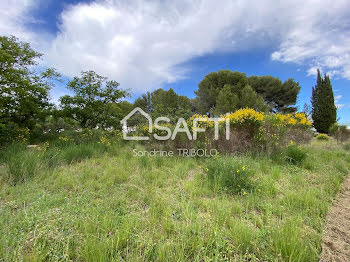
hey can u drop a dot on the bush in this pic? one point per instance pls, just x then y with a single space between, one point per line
340 132
322 137
295 155
229 174
250 131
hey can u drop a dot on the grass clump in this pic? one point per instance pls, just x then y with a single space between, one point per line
22 164
229 174
295 154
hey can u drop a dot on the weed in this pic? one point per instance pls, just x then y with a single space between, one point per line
295 154
230 174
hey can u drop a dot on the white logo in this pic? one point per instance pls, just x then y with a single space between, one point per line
181 127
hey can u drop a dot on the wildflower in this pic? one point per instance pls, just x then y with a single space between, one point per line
291 142
243 168
207 169
244 193
259 190
237 170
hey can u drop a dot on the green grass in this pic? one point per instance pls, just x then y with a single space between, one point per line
89 203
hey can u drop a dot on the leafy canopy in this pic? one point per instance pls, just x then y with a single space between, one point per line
24 93
162 103
96 101
278 96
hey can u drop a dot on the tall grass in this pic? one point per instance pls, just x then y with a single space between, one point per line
24 163
115 207
230 174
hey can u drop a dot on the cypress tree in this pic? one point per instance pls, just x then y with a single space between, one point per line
324 111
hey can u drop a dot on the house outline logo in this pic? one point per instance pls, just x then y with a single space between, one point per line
124 123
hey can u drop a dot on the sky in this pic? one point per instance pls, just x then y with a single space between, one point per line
150 44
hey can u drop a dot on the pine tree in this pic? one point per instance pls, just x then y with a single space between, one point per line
324 111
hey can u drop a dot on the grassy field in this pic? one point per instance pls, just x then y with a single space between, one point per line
90 203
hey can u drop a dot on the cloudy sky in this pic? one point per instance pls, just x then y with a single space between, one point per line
147 44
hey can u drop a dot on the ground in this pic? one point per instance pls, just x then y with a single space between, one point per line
116 207
336 242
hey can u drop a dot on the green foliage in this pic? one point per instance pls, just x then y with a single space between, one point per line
278 96
211 85
340 132
324 111
229 174
232 98
24 93
322 137
161 103
295 154
96 101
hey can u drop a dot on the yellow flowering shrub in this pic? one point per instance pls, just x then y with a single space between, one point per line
245 116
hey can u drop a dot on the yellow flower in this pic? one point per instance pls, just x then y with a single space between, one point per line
243 168
207 169
238 171
244 193
291 142
259 190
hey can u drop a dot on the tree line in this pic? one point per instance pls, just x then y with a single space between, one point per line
98 102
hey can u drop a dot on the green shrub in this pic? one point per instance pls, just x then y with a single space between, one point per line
229 174
322 137
295 155
340 132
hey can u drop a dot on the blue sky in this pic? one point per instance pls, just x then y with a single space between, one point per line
147 44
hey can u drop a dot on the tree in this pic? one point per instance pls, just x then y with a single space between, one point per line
162 103
24 93
324 111
96 102
279 96
210 87
232 98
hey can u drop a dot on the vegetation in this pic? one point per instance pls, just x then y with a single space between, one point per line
340 132
232 87
95 103
322 137
24 93
161 103
111 206
324 111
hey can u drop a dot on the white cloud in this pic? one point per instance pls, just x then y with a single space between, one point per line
143 43
337 98
13 16
319 37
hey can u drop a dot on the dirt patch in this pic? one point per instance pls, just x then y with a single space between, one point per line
336 241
